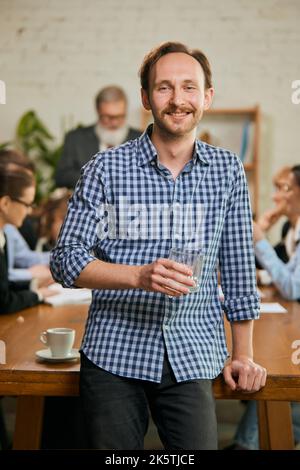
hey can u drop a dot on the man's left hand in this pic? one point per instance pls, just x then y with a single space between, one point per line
242 374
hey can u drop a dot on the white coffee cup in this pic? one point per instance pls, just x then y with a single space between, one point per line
59 340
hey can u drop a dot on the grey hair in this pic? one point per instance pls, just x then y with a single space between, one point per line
110 93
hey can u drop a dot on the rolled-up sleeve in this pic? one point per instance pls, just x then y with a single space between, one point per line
78 236
236 255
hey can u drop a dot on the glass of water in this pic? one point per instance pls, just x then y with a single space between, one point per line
193 259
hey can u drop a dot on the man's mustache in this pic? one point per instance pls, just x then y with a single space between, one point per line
174 109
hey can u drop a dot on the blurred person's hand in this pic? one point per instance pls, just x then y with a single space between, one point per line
258 234
270 217
42 274
45 292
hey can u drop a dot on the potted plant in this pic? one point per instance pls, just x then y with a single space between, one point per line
35 141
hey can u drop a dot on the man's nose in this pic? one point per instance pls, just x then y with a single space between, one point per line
177 97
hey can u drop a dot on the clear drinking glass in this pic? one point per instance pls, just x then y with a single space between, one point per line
193 259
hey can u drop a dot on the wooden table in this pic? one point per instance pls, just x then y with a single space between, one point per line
23 376
29 379
273 338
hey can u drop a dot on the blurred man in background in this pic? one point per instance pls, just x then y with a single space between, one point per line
111 130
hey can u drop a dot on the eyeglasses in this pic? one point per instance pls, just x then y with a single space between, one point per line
284 187
112 117
31 205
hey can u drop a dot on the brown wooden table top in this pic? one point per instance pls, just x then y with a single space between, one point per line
21 332
23 374
273 336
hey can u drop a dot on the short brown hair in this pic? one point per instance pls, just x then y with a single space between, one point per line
110 93
15 156
296 172
14 179
281 174
166 48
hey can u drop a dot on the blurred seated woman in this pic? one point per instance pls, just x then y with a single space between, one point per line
25 265
28 229
17 191
286 277
284 249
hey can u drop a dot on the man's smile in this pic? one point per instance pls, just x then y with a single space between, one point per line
178 115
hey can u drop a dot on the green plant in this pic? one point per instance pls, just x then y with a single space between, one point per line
35 141
5 145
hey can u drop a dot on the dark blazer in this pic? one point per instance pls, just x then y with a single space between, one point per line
280 247
12 299
79 146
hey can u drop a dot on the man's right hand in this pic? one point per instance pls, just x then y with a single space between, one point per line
165 276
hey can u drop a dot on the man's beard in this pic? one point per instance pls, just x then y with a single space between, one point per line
112 138
180 129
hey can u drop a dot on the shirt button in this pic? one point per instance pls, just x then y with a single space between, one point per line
166 327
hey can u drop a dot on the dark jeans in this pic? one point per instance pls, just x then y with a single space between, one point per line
116 410
63 424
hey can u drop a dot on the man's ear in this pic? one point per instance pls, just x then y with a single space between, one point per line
145 99
208 98
4 202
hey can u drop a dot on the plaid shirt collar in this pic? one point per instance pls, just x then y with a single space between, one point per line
147 152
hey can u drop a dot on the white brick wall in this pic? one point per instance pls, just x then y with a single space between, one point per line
56 54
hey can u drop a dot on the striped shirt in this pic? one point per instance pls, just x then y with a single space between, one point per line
128 209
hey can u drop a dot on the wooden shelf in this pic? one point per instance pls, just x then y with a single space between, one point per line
232 111
249 167
241 114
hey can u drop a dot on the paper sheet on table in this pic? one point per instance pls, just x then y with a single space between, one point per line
272 307
69 296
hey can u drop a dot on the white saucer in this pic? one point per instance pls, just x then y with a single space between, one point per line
46 355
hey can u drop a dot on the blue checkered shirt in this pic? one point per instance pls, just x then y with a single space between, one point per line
114 215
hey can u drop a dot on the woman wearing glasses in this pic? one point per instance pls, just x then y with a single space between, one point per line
285 248
25 264
17 191
286 277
